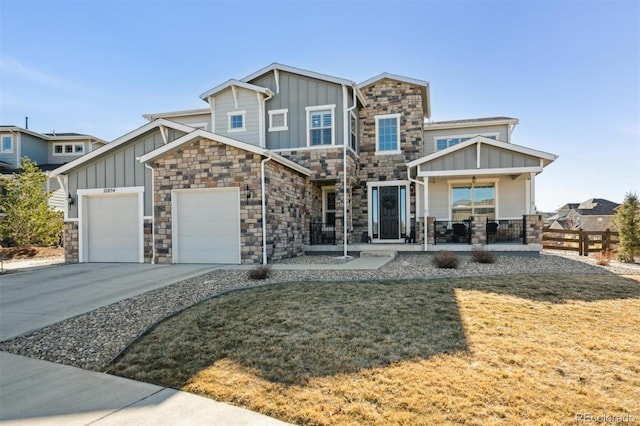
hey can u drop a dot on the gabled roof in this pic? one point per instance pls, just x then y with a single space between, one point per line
597 206
182 113
424 86
299 71
237 83
470 122
545 156
198 134
161 122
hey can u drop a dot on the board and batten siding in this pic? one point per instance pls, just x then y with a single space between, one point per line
490 158
430 136
119 168
248 102
296 92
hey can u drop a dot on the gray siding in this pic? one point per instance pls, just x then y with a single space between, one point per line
296 93
430 136
119 168
248 102
490 158
34 148
194 120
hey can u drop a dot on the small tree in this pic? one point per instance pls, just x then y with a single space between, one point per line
627 220
29 219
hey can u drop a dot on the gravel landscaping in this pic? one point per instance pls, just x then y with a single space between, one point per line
94 339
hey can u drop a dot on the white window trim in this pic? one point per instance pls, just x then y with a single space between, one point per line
63 145
355 117
382 117
454 182
325 190
273 112
244 121
6 151
470 135
311 109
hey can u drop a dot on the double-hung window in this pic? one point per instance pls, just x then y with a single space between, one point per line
7 144
236 121
388 134
320 130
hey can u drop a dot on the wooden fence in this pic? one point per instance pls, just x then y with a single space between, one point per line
584 242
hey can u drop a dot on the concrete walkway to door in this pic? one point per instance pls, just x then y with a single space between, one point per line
34 299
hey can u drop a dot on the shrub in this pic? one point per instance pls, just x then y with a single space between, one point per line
261 272
480 255
627 220
446 259
604 257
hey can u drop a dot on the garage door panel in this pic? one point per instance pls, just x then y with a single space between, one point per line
113 228
208 226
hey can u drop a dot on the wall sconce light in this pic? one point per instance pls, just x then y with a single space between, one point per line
412 188
70 200
364 188
247 192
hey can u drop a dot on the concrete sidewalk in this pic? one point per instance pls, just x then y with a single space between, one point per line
35 392
366 261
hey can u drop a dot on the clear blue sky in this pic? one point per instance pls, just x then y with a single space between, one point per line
569 70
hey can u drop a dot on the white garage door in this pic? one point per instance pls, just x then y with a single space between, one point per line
207 226
113 228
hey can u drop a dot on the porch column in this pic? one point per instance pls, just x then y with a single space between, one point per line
531 195
425 204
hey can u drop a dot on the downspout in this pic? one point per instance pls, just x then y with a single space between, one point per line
262 107
345 140
153 216
424 202
264 211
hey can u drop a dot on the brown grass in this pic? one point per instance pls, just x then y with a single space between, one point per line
507 350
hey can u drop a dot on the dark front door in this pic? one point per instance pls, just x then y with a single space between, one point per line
389 213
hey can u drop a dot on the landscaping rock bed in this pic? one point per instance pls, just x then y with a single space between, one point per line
94 339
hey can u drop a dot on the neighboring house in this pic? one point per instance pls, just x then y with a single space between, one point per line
285 159
47 150
594 214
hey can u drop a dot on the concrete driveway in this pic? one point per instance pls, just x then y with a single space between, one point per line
33 299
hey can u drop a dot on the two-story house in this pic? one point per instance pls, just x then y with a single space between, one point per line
48 150
285 159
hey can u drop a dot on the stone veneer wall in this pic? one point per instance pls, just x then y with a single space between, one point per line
326 165
209 164
534 229
148 240
287 211
71 242
388 97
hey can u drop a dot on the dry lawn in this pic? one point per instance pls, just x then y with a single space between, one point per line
494 350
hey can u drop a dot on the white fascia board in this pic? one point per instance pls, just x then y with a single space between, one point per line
393 77
183 113
480 123
299 71
21 130
480 172
483 140
197 134
120 141
236 83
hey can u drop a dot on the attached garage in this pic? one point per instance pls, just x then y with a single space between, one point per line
111 225
206 225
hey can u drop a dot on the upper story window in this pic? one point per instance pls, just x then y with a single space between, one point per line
388 134
7 144
446 142
278 120
353 143
320 130
68 149
236 121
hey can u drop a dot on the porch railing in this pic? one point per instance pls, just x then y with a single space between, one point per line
452 231
322 233
506 231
